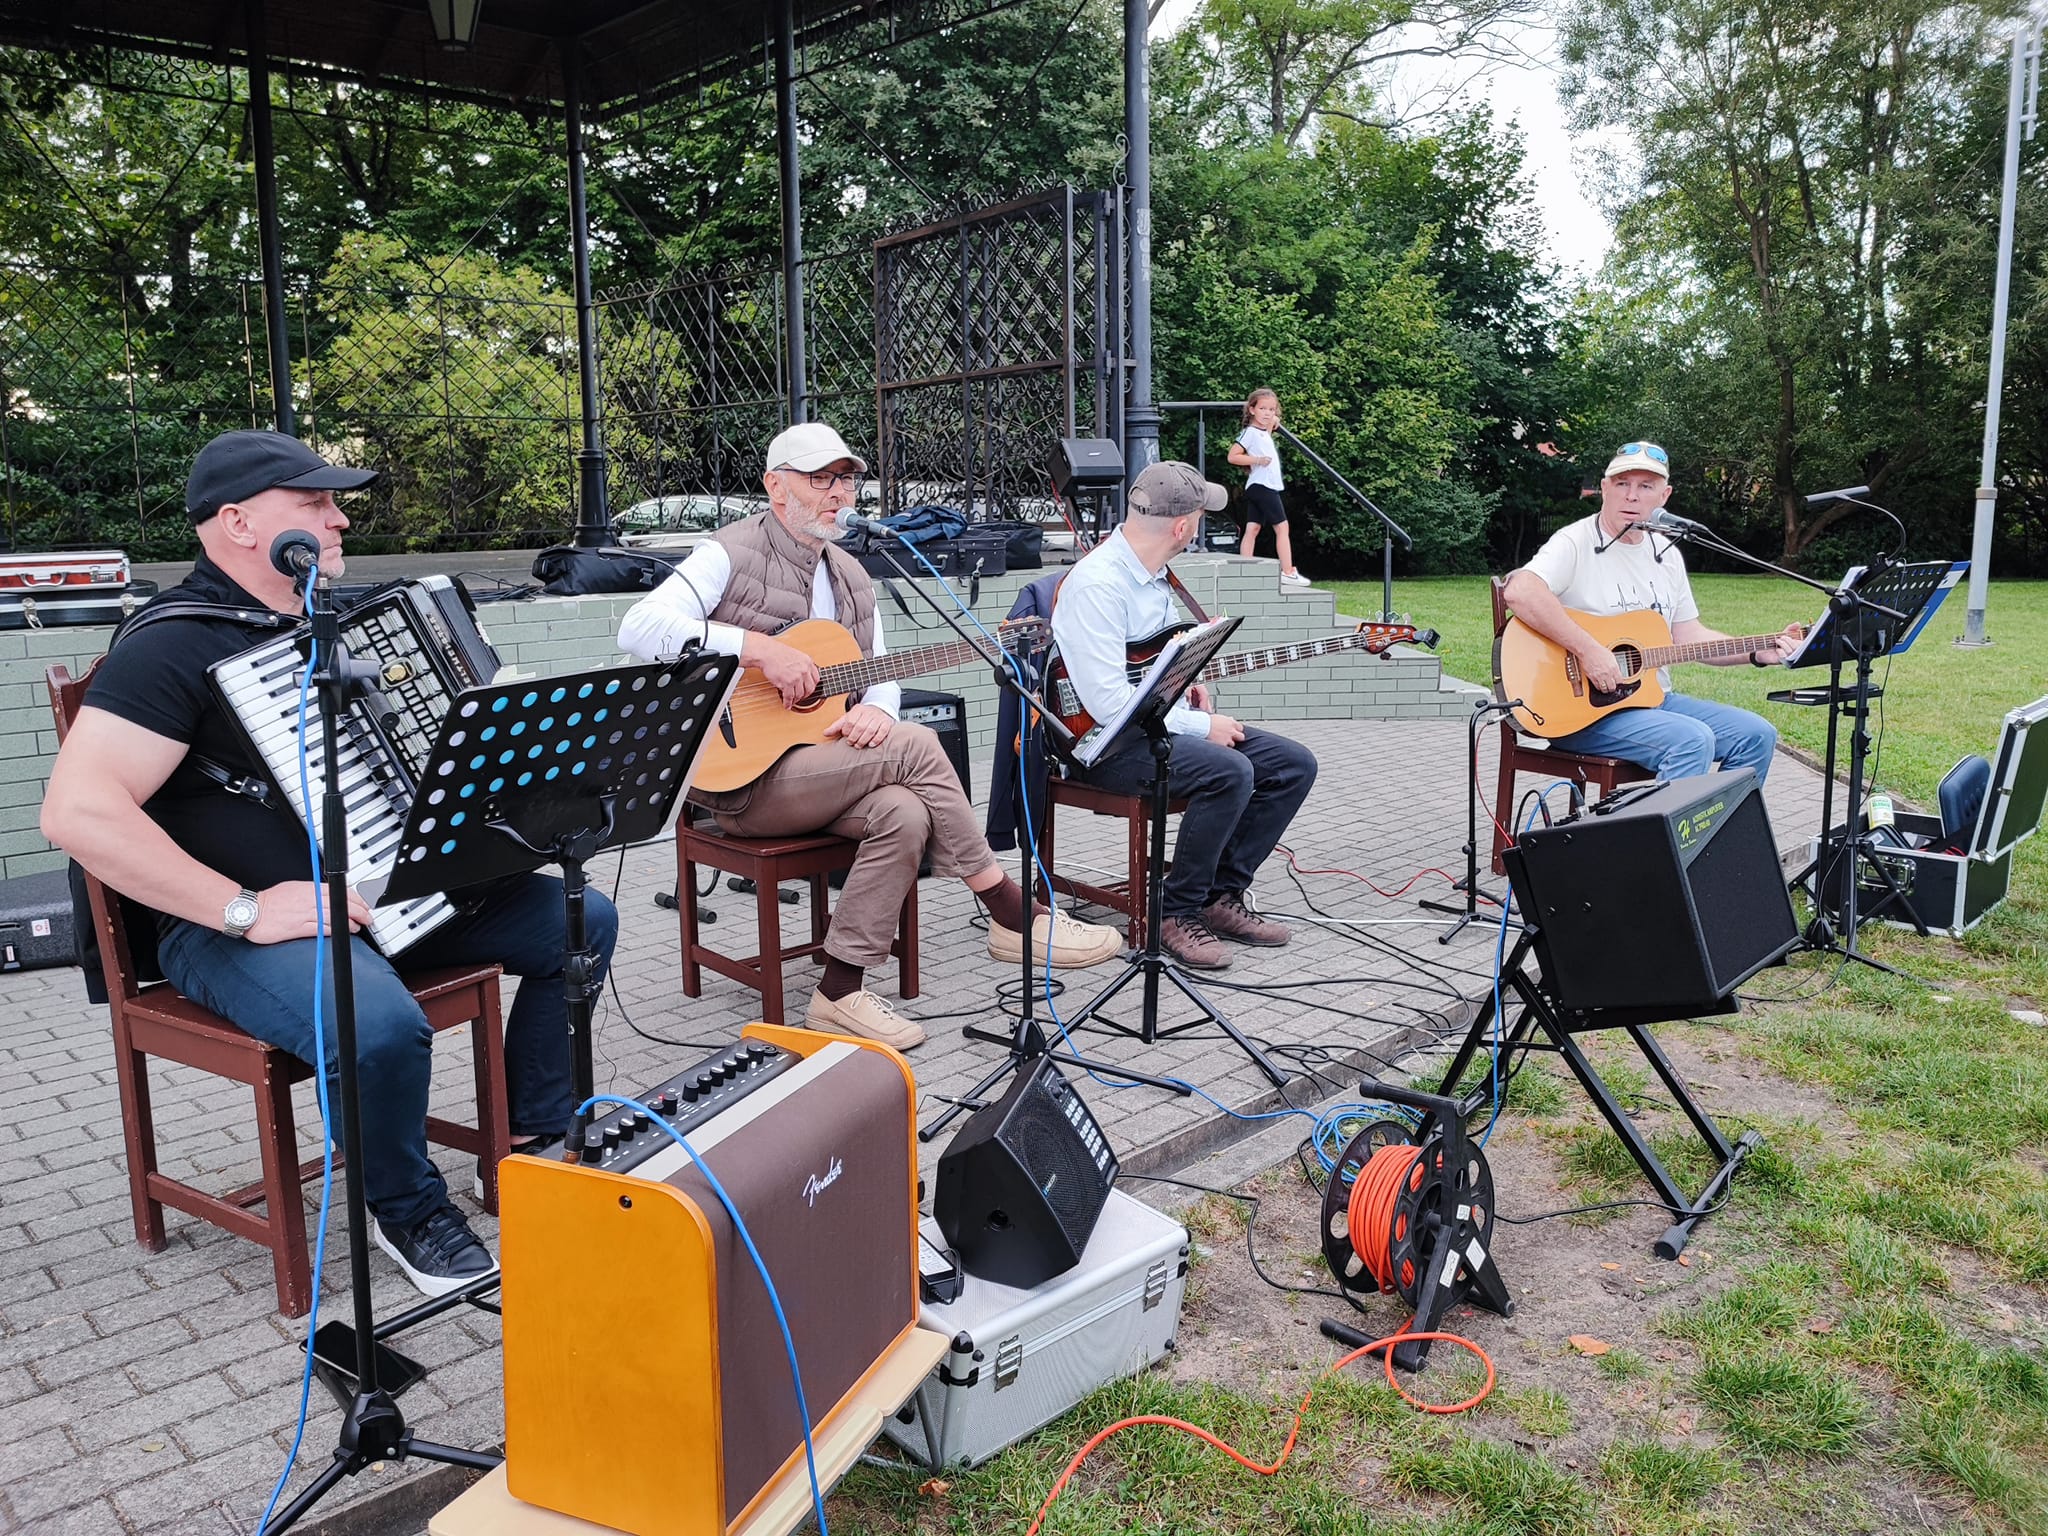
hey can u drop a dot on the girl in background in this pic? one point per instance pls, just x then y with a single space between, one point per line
1256 453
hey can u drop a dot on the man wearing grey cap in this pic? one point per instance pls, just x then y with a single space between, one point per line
874 778
1242 785
158 793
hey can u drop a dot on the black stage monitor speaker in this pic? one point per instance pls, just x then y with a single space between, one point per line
1086 464
1021 1186
1670 900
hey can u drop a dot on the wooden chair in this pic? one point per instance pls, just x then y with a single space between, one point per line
155 1019
768 861
1528 754
1128 894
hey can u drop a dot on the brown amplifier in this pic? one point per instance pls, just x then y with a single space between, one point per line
647 1387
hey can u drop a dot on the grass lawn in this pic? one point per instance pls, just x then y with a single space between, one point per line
1872 1349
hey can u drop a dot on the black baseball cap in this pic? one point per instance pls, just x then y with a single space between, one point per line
238 465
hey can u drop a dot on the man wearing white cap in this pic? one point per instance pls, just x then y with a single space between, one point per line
887 783
1242 785
1607 564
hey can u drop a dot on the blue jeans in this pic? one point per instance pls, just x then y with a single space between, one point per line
1681 737
1240 800
266 990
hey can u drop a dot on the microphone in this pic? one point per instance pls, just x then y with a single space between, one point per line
850 520
1846 493
295 553
1672 523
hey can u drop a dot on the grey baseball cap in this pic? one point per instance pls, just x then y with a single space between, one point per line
1173 489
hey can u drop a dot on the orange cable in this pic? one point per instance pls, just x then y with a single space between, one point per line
1371 1216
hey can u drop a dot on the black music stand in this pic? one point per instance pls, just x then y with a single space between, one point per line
554 771
1171 676
524 774
1875 612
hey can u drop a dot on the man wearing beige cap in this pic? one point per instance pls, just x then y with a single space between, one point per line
885 782
1242 785
1610 563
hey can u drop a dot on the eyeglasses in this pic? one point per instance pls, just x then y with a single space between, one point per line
1650 450
825 479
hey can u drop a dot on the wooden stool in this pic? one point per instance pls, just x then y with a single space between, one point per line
768 861
1127 895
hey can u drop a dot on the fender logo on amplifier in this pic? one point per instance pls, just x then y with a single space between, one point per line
815 1186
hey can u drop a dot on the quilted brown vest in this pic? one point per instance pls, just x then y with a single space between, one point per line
770 586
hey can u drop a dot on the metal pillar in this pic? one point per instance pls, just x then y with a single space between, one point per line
1141 415
792 212
271 247
593 518
2026 59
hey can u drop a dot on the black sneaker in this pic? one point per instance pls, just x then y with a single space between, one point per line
540 1146
438 1254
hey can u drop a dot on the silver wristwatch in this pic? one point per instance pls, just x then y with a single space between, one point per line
240 915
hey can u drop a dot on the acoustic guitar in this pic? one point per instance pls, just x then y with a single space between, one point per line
1557 699
756 729
1065 700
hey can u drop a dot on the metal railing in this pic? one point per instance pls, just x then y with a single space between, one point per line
1390 530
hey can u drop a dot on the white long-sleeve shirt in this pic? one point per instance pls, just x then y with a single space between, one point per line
1107 600
678 613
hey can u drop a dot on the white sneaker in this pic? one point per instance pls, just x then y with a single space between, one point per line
862 1013
1071 943
1294 579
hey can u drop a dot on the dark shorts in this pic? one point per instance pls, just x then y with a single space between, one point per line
1262 504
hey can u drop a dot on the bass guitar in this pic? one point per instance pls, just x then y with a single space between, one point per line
756 729
1373 639
1555 697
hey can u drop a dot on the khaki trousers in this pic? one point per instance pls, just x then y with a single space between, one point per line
896 800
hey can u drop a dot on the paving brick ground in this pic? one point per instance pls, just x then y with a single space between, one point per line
156 1392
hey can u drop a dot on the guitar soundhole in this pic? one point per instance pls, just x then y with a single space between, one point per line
1630 659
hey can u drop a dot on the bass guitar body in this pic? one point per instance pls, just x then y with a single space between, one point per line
758 728
1556 698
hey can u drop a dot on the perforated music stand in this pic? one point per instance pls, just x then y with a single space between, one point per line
1171 676
552 771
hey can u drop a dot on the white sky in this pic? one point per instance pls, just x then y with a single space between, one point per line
1579 234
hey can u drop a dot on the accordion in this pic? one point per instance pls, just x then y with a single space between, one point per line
422 637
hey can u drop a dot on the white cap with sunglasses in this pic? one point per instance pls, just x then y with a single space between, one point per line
1644 456
809 446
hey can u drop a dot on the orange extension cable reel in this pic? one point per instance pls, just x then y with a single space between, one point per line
647 1387
1411 1212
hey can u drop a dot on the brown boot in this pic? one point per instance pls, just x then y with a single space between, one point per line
1229 918
1189 941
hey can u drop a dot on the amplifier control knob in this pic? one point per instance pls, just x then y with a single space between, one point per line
664 1104
760 1051
641 1123
690 1092
612 1138
593 1145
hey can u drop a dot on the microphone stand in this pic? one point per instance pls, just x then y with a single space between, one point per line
1026 1042
1467 911
373 1427
1844 602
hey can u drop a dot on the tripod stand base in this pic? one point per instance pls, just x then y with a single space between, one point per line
1155 967
373 1431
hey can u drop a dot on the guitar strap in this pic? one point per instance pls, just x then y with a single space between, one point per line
1180 590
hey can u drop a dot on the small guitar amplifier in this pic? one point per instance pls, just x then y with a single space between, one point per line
647 1387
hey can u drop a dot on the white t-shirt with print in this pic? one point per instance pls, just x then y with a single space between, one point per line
1619 578
1258 442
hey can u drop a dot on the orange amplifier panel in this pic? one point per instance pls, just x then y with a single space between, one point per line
646 1383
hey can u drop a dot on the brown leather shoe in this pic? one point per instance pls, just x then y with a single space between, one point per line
1229 918
1189 941
863 1014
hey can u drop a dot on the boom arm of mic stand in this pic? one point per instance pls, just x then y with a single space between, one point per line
1721 546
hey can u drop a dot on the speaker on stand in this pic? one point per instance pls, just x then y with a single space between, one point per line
1655 904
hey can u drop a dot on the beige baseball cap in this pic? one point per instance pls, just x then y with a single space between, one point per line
811 445
1645 456
1173 489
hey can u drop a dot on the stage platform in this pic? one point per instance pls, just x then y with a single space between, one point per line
144 1392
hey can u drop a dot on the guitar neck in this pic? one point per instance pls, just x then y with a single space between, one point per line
848 676
1704 650
1280 655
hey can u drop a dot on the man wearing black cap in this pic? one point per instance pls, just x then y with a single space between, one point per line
136 797
1242 785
